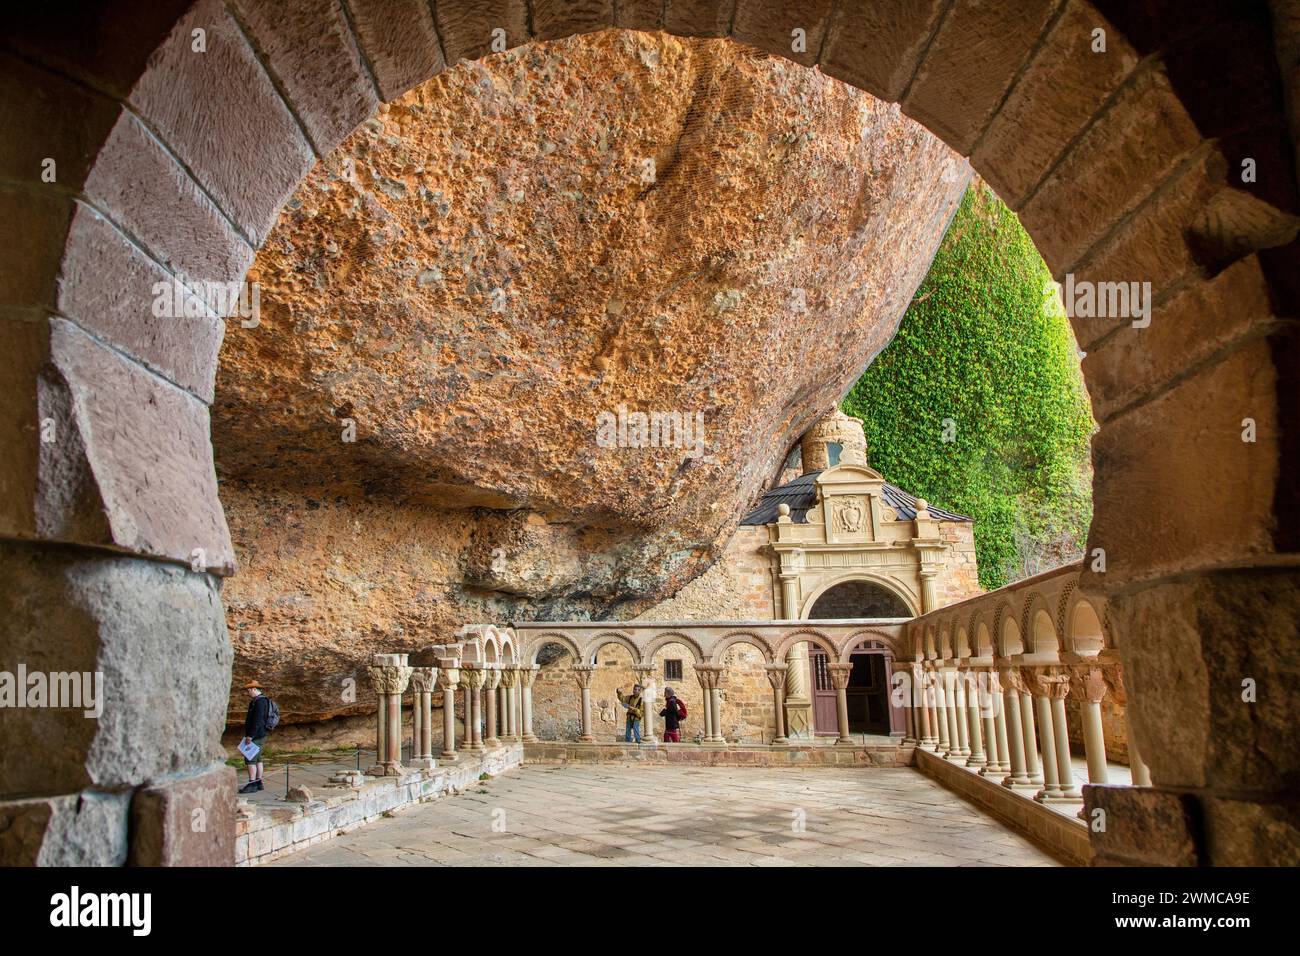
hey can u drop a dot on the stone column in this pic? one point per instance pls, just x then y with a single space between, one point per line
929 600
1015 728
798 694
527 675
1090 688
467 714
644 673
423 681
995 727
940 712
971 690
582 673
776 678
1040 686
1058 692
716 678
955 744
389 674
790 596
1137 766
448 679
840 679
1027 720
475 676
921 678
491 682
510 681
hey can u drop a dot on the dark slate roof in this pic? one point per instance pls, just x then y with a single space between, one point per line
801 495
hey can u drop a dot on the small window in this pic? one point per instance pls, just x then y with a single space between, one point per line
672 670
833 450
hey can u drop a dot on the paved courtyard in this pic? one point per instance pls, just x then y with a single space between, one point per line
585 815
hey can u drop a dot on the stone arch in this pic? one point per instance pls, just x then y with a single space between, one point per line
535 644
983 637
674 637
1007 631
886 643
611 637
961 641
210 147
1038 625
1083 631
805 635
741 637
886 585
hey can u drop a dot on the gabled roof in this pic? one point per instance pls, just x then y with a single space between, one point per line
801 496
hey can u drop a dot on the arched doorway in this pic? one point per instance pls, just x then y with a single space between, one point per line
857 599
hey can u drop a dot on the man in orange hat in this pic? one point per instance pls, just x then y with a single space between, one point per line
262 717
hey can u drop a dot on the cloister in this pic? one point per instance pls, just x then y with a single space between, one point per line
1123 162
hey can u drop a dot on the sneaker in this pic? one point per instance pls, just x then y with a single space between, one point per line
251 787
260 787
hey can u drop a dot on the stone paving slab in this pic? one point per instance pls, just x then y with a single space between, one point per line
649 815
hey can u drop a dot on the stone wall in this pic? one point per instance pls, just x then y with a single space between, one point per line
960 579
737 588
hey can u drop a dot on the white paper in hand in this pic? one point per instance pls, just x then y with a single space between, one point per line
249 750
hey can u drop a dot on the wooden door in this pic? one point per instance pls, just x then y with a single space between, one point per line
825 718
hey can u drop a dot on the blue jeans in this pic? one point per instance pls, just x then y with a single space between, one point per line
633 730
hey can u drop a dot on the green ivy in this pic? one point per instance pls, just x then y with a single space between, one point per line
978 404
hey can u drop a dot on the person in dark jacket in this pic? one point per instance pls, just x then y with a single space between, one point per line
672 715
255 731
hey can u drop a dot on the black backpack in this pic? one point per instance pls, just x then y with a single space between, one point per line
272 714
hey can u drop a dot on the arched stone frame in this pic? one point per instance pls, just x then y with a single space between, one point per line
741 637
805 636
886 642
1007 631
944 644
886 647
1083 631
931 648
1157 217
507 649
535 645
961 641
604 639
984 644
1038 625
889 584
675 637
917 643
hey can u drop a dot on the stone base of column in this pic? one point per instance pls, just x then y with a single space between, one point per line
1011 783
845 742
586 739
1044 797
780 742
386 770
530 738
449 756
713 743
492 743
422 763
973 761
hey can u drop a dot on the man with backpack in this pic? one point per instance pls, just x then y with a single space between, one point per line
263 715
674 713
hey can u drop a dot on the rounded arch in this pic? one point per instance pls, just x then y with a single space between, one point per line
674 637
983 638
805 635
881 641
1038 625
1007 632
536 643
1084 632
885 587
741 637
604 639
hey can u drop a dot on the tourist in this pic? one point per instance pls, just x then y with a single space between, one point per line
674 713
257 725
635 710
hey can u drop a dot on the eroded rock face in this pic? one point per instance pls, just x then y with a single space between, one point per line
500 258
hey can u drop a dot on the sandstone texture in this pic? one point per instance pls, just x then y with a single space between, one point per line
498 258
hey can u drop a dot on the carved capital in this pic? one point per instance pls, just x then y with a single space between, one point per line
582 673
528 674
473 676
510 677
423 679
1089 682
776 675
491 678
449 678
840 674
389 678
1114 676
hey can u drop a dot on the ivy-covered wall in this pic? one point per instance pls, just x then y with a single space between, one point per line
978 404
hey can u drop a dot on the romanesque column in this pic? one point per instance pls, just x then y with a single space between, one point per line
840 679
920 679
389 674
527 675
970 681
423 681
475 677
509 681
1058 692
940 712
491 682
776 678
1141 775
798 693
716 677
704 678
1040 686
929 600
1015 728
582 673
995 728
643 673
1027 721
1090 685
955 744
448 679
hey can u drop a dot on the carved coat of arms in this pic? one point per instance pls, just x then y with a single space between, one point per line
849 515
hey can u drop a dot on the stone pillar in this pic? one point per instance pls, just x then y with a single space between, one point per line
389 674
423 681
1040 686
582 673
491 683
961 708
1015 726
1058 692
509 683
467 714
1032 765
971 689
1090 688
527 675
924 692
950 714
474 676
776 678
1136 765
940 712
840 679
645 675
929 599
995 726
790 597
448 679
798 694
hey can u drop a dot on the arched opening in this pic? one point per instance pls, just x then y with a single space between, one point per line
557 708
672 666
858 599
